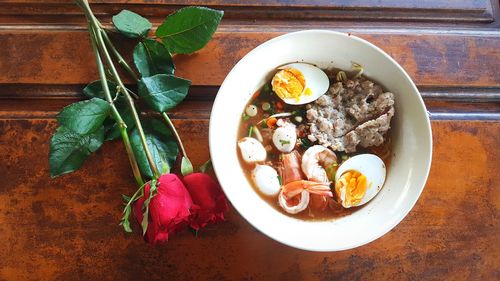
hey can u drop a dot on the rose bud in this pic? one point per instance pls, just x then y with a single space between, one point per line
209 202
168 209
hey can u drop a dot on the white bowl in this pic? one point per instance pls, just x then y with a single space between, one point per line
411 131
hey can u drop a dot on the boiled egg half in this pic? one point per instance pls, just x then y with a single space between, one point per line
300 83
359 179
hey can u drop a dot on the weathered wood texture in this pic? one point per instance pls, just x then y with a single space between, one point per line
430 59
67 228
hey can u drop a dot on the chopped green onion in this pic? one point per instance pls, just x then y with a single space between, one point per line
257 134
305 143
279 180
266 106
250 130
283 142
266 88
331 171
245 117
298 112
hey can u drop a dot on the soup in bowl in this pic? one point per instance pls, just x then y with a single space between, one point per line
320 140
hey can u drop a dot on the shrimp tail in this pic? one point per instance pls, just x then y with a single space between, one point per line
320 189
296 187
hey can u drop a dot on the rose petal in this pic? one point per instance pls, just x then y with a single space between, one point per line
210 203
168 209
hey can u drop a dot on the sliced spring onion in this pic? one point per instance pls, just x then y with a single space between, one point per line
250 130
305 143
331 171
245 117
283 142
266 106
257 134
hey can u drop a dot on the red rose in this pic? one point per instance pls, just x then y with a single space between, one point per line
168 210
210 204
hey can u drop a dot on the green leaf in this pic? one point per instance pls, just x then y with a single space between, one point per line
131 24
125 219
84 117
163 92
126 198
186 166
189 29
111 128
68 149
145 215
94 89
160 142
207 165
151 57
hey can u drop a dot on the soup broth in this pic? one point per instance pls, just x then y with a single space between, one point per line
266 112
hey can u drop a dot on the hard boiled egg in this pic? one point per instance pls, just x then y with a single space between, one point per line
300 83
266 179
359 179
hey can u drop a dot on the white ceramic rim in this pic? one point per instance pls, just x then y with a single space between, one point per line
395 220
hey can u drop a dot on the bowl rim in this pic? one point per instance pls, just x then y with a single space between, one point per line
396 218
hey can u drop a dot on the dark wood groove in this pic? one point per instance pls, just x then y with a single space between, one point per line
439 11
461 94
452 105
276 27
208 93
434 116
460 116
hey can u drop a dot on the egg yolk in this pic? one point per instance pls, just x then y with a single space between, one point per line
289 83
350 188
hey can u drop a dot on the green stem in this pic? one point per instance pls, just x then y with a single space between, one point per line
177 137
100 43
133 198
119 57
132 74
116 115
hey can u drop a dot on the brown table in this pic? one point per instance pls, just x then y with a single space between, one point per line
67 228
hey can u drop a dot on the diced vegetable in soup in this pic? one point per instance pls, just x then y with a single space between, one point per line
315 143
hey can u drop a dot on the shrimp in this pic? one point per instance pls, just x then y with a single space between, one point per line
315 160
291 167
291 191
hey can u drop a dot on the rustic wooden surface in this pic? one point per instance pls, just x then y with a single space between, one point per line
66 228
